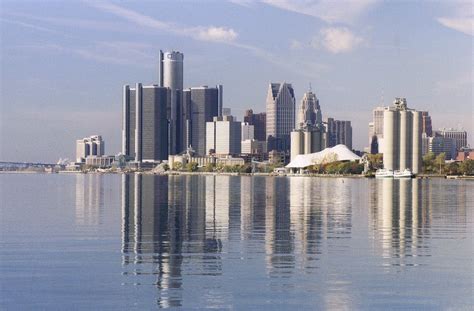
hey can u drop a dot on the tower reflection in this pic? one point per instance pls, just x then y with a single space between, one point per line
89 199
402 217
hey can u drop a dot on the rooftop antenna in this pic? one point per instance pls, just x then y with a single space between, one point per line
382 99
310 89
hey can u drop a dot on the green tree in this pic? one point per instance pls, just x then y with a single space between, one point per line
467 167
209 167
452 168
428 162
440 161
192 167
166 167
177 166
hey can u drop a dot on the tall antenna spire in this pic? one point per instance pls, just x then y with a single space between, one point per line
310 89
381 98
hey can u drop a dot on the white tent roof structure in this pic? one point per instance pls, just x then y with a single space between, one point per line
336 153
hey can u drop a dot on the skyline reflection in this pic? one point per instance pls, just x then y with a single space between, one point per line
179 226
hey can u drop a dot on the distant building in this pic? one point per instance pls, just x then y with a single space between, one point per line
89 146
440 144
200 105
223 136
465 154
145 126
226 112
247 131
402 137
459 136
171 76
309 112
259 122
427 126
339 132
376 130
280 115
252 146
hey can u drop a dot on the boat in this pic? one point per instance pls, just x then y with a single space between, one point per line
406 173
384 173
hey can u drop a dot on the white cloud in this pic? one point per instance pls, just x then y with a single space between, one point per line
461 17
330 11
296 45
336 40
462 24
204 33
219 34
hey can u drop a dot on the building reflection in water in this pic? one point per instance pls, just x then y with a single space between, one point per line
179 227
89 200
401 217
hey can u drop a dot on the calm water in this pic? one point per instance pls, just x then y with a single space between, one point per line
98 242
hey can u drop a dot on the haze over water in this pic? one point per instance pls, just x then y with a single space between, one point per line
90 241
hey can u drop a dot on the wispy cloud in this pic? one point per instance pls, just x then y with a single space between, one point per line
336 40
330 11
461 17
30 26
205 33
218 34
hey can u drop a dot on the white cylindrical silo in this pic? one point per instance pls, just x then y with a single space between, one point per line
416 143
307 145
296 144
390 146
405 139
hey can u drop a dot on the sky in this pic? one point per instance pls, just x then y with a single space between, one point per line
63 63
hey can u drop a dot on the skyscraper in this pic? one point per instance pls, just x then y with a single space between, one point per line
376 130
171 76
310 111
339 132
280 115
200 105
248 131
259 122
145 126
427 127
402 137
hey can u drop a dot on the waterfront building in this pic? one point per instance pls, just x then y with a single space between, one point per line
339 132
402 137
440 144
247 131
200 105
280 115
259 122
171 76
309 139
327 155
310 111
89 146
465 154
100 161
145 126
459 136
223 136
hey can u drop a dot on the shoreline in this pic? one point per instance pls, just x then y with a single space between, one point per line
178 173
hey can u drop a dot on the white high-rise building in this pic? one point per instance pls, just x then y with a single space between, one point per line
247 131
402 128
89 146
223 136
376 130
280 115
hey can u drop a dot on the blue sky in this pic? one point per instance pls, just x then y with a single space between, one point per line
63 63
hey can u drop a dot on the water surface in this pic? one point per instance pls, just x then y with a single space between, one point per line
282 243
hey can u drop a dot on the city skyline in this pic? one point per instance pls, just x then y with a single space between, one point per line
82 80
